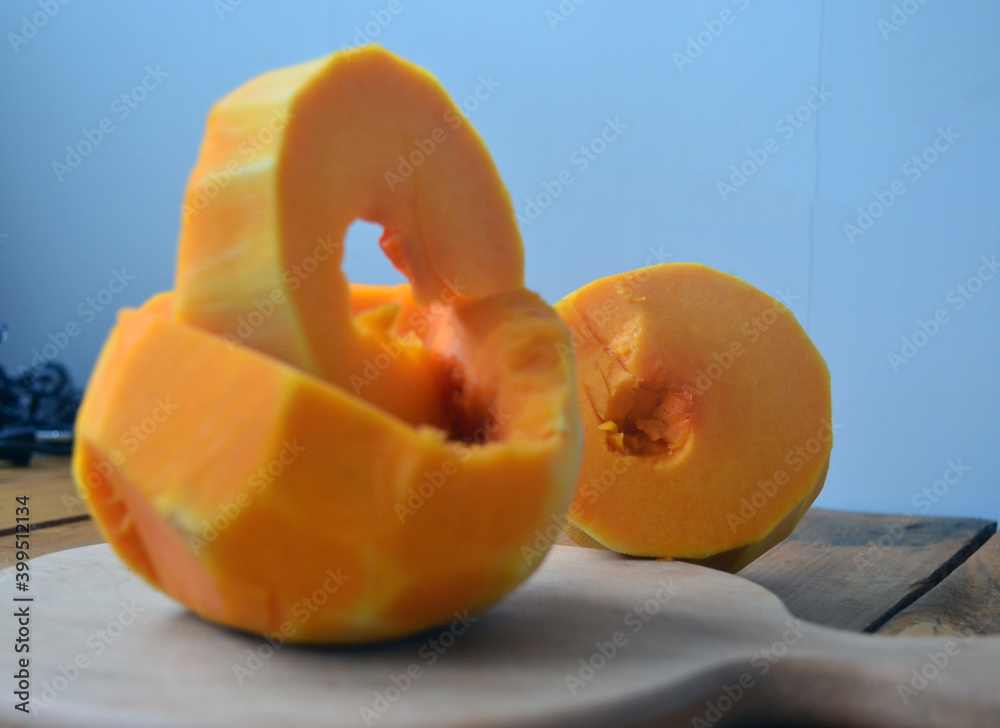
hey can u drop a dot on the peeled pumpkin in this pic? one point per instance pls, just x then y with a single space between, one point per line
339 130
706 413
319 461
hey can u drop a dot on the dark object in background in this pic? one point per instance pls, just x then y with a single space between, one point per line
18 443
37 411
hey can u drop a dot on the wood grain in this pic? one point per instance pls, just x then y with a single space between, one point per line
856 570
840 569
49 486
647 643
966 602
81 532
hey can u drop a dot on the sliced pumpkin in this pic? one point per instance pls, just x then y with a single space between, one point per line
334 471
255 481
289 161
707 416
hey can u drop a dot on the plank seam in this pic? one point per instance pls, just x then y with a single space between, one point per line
47 524
919 588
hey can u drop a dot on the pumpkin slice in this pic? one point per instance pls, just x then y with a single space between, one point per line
288 162
290 457
707 416
269 500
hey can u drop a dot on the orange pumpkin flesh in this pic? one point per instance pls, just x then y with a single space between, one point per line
706 413
296 477
335 475
338 130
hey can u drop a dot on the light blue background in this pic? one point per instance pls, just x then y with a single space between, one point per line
653 193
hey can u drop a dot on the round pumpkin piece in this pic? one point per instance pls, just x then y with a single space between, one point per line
707 416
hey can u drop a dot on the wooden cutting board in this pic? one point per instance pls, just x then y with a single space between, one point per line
592 639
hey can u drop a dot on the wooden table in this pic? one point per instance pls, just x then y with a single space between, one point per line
909 575
718 641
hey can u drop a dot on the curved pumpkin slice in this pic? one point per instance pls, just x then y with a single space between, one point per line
706 410
160 304
293 157
268 500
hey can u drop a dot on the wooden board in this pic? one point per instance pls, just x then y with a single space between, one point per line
856 570
49 486
848 570
967 601
50 539
683 644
